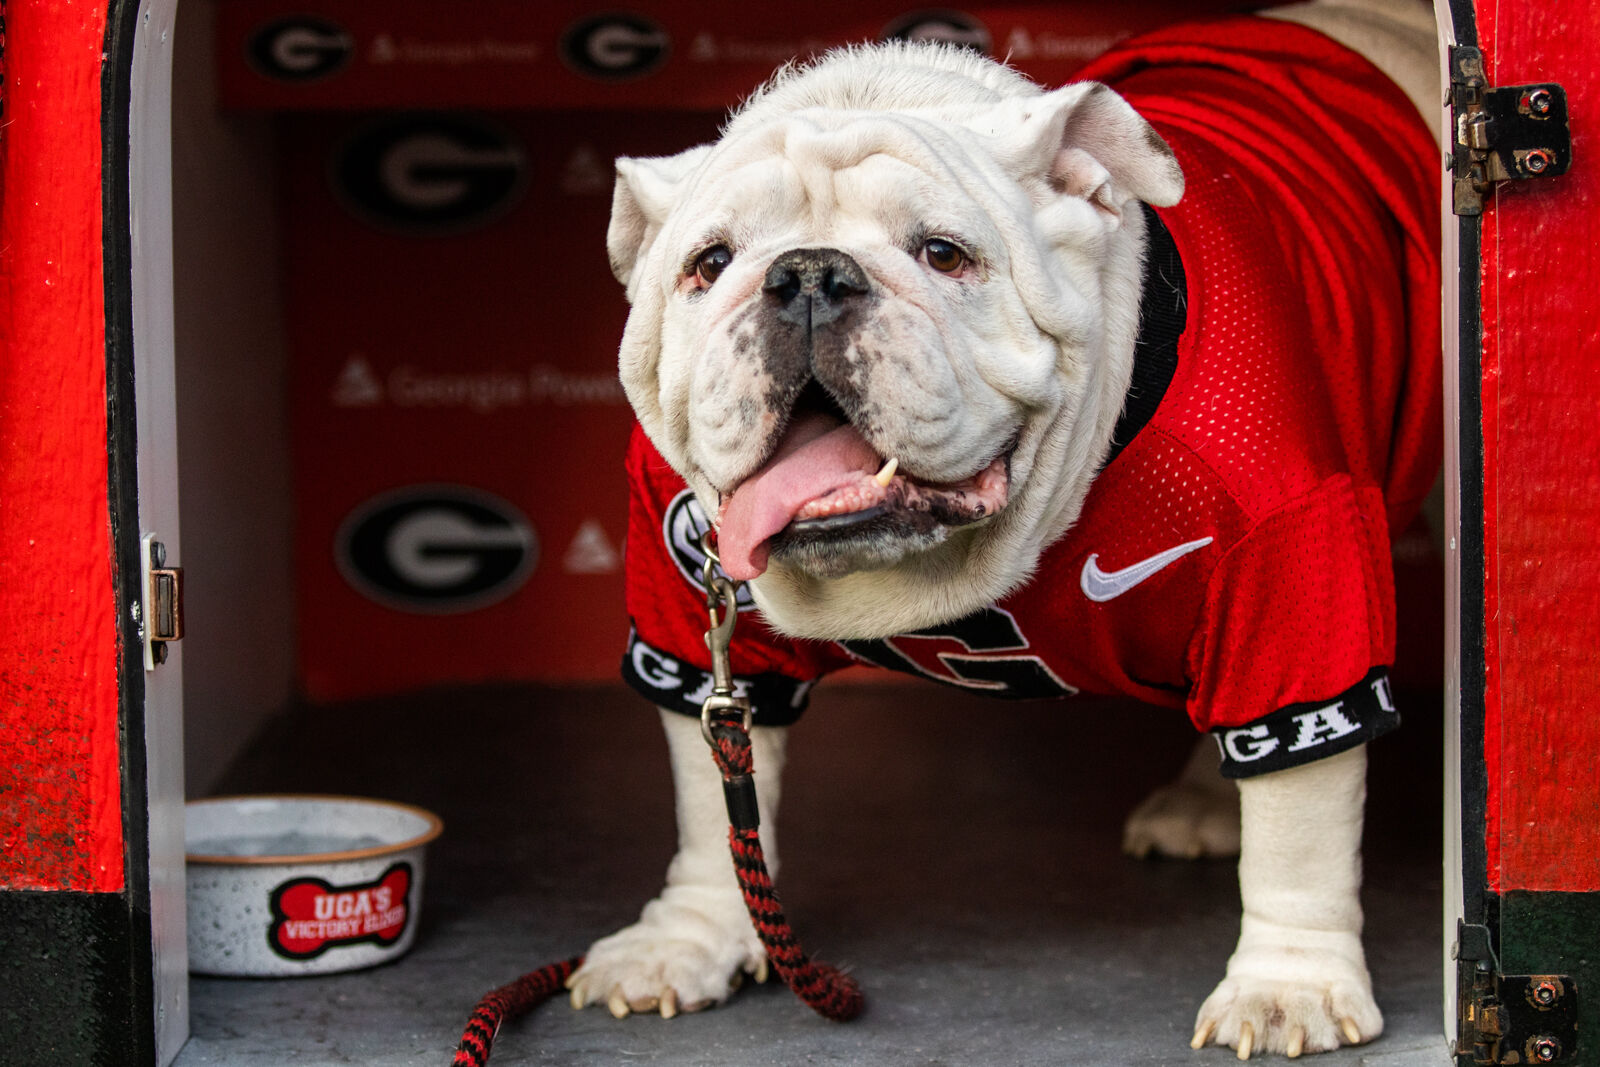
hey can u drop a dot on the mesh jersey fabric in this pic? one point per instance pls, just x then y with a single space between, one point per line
1300 427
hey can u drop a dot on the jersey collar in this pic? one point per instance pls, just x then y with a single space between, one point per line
1163 301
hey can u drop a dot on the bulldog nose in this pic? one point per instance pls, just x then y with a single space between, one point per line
814 286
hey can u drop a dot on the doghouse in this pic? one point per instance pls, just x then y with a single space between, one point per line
235 310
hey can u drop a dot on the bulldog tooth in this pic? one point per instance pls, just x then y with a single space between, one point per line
886 475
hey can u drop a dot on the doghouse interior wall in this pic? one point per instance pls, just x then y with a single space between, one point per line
233 442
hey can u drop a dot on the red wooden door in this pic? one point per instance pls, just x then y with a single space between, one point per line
1528 515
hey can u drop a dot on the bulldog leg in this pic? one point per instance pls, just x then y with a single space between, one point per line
1298 979
693 944
1193 816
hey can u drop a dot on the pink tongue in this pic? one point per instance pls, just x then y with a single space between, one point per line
817 454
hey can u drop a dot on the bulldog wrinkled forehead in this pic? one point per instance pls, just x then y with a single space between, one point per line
989 129
824 160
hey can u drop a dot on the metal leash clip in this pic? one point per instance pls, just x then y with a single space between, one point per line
723 609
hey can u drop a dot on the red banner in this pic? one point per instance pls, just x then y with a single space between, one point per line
513 55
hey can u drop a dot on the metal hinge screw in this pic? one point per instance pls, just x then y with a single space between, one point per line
1544 992
1537 103
1543 1049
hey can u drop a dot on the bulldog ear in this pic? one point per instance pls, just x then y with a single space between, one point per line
645 194
1086 141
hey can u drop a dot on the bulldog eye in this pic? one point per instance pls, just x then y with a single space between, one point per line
711 263
943 256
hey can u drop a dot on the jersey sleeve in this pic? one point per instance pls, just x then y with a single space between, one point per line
1290 662
666 660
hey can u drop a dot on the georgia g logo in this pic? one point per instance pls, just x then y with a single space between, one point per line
430 174
299 49
952 27
985 651
436 549
614 47
685 521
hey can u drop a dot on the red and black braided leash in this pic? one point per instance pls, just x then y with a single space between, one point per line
829 991
508 1002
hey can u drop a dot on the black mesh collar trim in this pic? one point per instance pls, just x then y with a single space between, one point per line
1163 313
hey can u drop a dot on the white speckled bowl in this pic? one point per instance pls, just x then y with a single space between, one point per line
286 885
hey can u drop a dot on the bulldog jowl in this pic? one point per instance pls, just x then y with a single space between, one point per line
827 501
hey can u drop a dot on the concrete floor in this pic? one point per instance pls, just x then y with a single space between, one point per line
960 856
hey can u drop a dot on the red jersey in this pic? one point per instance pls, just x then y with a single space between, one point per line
1232 559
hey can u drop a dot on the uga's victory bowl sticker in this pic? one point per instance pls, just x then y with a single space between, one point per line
310 916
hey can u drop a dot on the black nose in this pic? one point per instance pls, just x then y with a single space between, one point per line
814 286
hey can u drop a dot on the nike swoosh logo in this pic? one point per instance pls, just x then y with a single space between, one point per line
1101 586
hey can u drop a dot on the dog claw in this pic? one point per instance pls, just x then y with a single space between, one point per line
580 990
618 1004
1352 1034
1247 1040
1202 1034
669 1003
1297 1042
763 971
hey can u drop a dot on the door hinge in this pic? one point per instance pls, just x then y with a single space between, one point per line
1510 1018
1502 134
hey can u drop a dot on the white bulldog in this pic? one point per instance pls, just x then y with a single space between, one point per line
884 329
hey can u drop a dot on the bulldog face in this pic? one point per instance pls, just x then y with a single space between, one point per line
885 342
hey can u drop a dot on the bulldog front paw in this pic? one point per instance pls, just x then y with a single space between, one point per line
1291 999
690 950
1184 821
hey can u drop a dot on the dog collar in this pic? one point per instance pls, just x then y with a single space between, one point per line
1163 300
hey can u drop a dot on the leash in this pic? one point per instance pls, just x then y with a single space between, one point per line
725 721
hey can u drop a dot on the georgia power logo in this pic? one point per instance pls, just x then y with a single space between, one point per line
436 549
430 173
951 27
614 47
685 521
310 916
299 49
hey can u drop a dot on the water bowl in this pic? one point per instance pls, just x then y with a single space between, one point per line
289 885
